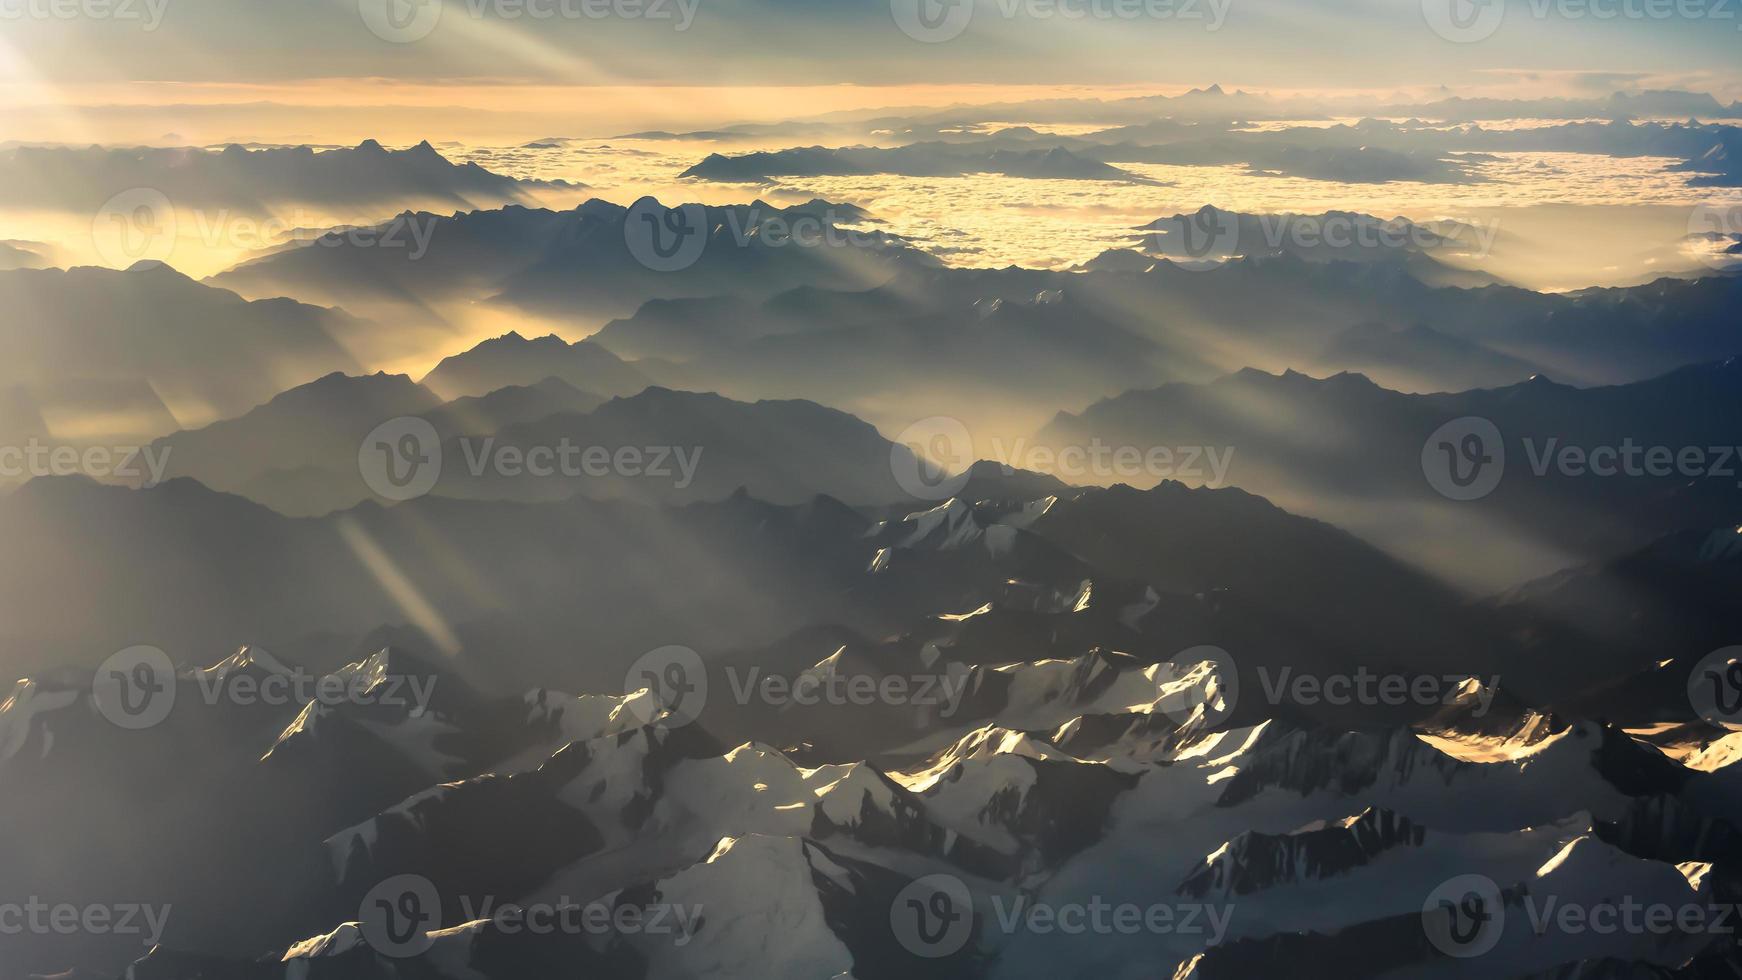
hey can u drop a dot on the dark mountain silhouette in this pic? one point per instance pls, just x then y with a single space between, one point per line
916 160
512 360
1350 451
577 265
83 178
993 347
205 352
483 414
299 453
317 424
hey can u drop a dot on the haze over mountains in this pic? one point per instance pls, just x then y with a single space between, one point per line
1203 535
1058 770
252 179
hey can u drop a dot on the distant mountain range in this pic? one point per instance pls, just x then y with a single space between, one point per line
1049 771
254 180
578 265
1276 595
995 347
1382 147
299 453
184 353
1349 451
873 317
515 360
915 160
